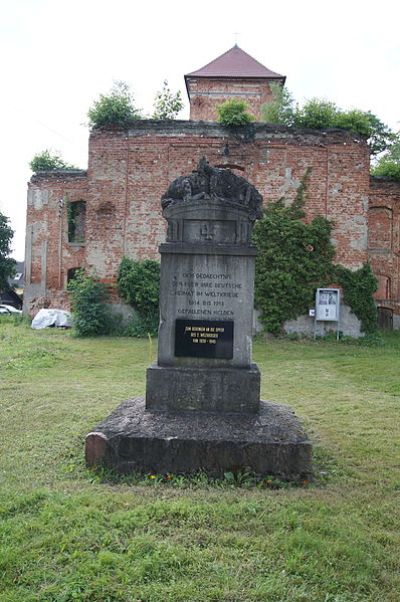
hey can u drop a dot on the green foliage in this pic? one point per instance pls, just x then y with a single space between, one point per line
293 259
389 164
316 114
88 303
7 265
234 112
381 137
116 108
386 167
320 114
167 104
139 285
358 288
48 161
281 109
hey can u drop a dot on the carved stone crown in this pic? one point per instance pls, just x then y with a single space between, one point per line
207 182
211 206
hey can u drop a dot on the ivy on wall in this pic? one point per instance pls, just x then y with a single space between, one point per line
294 258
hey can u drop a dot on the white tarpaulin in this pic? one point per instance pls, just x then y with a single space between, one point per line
52 317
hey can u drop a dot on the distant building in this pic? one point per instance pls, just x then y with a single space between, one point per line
93 218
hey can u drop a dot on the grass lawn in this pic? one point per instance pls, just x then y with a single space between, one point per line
67 534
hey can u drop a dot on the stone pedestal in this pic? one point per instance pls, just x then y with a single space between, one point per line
201 389
202 409
134 439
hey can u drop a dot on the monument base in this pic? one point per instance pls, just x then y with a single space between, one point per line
134 439
180 388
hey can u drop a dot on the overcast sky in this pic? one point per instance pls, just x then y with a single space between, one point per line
58 56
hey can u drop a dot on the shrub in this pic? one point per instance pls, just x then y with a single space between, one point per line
47 161
116 108
88 303
234 112
139 285
316 114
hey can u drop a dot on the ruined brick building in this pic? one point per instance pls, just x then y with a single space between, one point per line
93 218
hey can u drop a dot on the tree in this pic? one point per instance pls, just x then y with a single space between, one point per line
47 161
167 104
7 265
234 112
116 108
389 164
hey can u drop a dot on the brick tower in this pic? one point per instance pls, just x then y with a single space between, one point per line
234 74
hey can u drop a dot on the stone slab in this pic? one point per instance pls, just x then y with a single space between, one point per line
133 439
206 287
203 389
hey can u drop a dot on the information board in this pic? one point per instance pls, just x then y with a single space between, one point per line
204 338
327 304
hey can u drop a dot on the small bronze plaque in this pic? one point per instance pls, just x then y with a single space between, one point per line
204 338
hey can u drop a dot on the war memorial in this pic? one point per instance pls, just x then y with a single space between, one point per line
202 407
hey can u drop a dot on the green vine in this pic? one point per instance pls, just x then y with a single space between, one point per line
294 258
358 288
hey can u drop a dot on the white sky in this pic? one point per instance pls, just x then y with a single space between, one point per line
57 56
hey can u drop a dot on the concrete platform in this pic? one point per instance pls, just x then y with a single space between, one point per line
133 439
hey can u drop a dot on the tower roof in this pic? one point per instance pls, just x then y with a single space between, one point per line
235 63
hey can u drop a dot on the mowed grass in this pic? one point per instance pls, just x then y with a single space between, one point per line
67 534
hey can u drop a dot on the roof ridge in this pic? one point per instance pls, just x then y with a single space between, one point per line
235 62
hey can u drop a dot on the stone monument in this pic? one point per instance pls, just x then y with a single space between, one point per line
202 409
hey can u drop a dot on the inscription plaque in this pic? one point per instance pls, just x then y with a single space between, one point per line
204 338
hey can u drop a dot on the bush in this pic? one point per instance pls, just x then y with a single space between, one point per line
139 285
316 114
47 161
88 303
117 108
234 112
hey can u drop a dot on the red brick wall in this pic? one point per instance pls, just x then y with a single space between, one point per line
129 170
207 93
48 255
384 240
